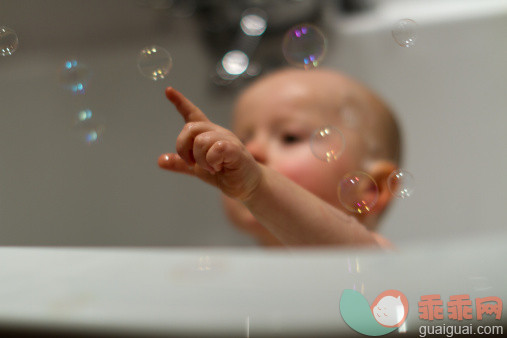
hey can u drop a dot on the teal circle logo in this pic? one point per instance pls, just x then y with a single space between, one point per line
387 312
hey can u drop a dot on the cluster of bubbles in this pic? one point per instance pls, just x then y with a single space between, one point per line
305 45
357 191
235 64
74 76
401 182
8 41
88 126
154 62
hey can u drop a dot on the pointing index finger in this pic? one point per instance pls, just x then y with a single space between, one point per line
186 108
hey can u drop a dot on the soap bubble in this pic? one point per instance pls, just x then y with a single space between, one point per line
204 263
404 32
88 127
253 22
327 143
304 46
154 62
358 192
74 76
235 62
8 41
254 69
401 183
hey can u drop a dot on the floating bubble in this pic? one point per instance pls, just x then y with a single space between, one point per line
204 263
253 70
154 62
358 192
74 76
88 127
401 183
8 41
253 22
235 62
304 46
327 143
405 32
83 115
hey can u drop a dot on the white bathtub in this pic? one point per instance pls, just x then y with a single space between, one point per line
198 292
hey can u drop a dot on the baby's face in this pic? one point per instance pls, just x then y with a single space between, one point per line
276 119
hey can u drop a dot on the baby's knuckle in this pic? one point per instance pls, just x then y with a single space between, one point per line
201 140
180 150
188 127
180 141
220 146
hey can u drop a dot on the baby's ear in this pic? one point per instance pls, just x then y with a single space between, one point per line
380 170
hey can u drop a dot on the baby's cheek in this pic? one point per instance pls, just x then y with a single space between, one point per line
312 174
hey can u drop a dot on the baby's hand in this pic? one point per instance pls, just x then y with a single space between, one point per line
210 152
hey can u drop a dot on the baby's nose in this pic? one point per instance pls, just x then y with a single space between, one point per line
258 149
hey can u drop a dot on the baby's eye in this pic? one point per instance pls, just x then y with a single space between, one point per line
245 136
290 138
245 140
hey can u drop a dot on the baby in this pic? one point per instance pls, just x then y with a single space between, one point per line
274 187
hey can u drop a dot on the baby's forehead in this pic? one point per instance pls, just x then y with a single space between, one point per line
318 93
322 86
284 107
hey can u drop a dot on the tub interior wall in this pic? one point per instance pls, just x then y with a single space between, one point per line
448 92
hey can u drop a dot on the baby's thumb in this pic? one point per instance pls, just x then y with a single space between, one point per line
174 162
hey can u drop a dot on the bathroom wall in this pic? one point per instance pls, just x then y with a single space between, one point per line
448 92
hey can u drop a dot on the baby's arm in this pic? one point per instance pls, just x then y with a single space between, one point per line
298 217
294 215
